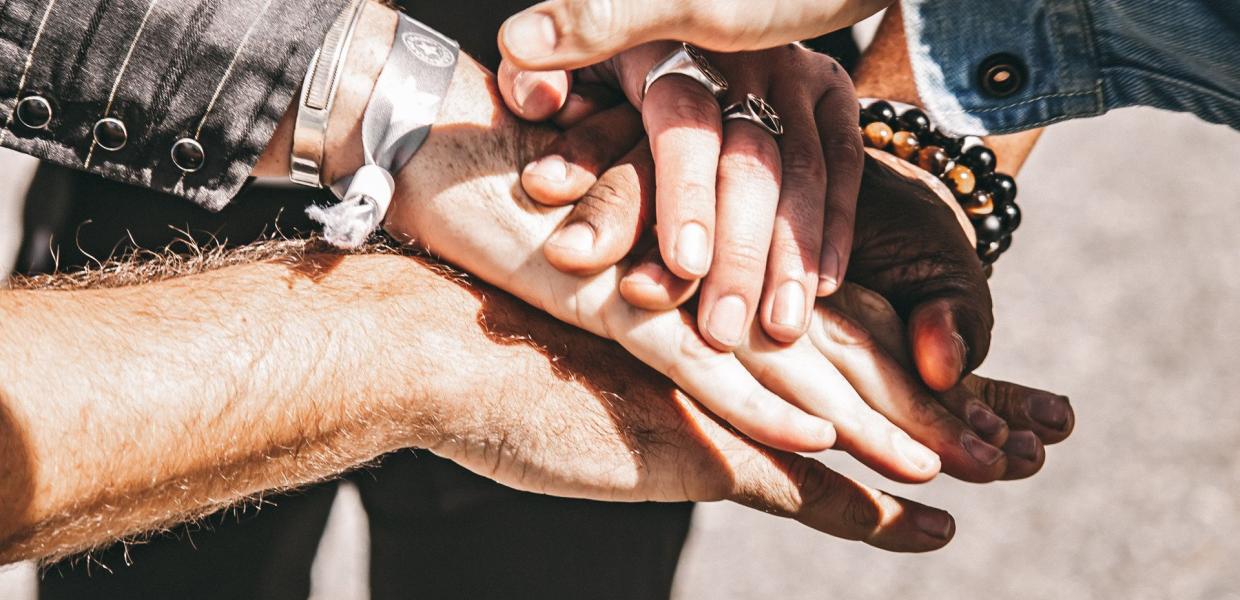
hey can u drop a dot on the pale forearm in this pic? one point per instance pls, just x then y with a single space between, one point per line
885 72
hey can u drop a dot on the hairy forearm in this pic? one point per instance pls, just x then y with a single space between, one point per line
124 410
885 72
129 408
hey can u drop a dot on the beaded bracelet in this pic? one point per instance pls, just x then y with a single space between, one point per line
964 164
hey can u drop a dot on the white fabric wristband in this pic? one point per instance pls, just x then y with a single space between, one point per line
402 110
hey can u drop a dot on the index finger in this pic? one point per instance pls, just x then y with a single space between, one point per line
567 34
686 137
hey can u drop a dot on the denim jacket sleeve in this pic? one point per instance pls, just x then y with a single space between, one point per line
177 95
996 66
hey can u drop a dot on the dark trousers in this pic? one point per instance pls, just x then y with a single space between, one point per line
436 531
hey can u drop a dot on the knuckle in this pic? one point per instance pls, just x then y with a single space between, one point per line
816 486
802 225
693 194
749 157
843 144
607 197
846 332
862 512
691 107
748 407
692 354
793 253
744 253
803 161
1001 397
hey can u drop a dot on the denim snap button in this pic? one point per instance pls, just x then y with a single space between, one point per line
1002 75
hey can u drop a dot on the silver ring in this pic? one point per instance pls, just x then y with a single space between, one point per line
756 111
688 61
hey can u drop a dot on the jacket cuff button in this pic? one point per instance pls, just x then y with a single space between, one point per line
188 155
111 134
34 112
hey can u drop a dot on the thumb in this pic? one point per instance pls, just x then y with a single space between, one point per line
568 34
950 337
533 95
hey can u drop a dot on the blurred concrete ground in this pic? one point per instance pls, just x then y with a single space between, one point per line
1123 291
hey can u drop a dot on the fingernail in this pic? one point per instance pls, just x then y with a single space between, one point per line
1049 410
692 252
530 36
522 86
828 271
789 306
980 451
984 421
961 351
1023 444
916 454
551 168
576 237
727 320
934 523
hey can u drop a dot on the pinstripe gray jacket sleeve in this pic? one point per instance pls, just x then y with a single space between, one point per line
180 96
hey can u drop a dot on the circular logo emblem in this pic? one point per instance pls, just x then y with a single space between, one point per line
428 50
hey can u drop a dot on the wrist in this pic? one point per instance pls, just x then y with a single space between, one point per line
923 177
475 151
342 153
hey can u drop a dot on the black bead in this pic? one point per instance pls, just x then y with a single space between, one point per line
1005 242
915 120
1010 213
35 112
980 160
953 145
989 228
867 118
1002 186
987 250
883 111
188 155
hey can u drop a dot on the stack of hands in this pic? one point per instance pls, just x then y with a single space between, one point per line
806 294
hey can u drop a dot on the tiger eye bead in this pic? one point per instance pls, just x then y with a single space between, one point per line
980 159
882 111
935 160
961 180
905 144
1002 186
878 134
915 120
979 203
